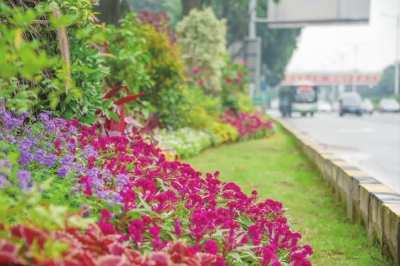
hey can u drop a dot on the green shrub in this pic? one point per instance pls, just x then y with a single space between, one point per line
223 132
50 61
146 60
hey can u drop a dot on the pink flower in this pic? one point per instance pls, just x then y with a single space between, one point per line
240 73
228 80
177 227
238 80
211 247
201 83
196 70
107 228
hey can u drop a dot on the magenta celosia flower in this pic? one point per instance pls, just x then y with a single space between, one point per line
228 80
201 83
211 247
238 80
196 70
177 227
107 228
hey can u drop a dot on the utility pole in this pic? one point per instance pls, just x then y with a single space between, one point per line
253 17
396 74
396 63
355 68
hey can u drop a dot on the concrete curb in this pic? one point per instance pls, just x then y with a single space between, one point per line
367 201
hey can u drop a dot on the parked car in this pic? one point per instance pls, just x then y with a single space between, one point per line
367 106
389 105
324 106
350 103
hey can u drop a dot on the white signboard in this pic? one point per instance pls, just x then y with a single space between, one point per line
299 13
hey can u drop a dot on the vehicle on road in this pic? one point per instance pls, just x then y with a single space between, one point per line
350 103
389 105
300 98
324 106
367 106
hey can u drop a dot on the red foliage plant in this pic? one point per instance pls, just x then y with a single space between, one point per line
160 22
30 245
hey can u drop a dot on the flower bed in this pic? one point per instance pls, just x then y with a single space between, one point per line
134 202
248 125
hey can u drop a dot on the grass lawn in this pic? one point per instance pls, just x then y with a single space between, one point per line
278 170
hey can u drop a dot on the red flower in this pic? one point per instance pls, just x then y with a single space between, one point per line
201 83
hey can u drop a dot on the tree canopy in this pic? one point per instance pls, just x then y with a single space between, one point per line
386 84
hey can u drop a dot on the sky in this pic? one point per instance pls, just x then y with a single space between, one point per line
332 48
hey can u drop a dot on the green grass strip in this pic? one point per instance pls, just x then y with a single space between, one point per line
277 169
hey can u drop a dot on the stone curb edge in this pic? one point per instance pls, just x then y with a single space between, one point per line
367 201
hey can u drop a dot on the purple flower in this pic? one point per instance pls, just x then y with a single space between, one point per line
63 171
73 130
93 173
101 194
79 169
1 136
11 139
24 176
40 156
50 126
71 146
60 122
121 180
26 145
25 115
4 181
116 198
97 183
26 158
88 152
44 117
107 175
50 160
67 160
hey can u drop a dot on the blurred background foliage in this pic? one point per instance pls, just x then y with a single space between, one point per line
277 44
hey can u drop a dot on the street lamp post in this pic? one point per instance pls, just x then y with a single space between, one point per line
396 63
396 75
355 68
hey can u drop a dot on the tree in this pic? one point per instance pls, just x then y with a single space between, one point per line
202 38
386 84
277 44
188 5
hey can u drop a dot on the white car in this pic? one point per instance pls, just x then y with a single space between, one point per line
389 105
324 106
367 106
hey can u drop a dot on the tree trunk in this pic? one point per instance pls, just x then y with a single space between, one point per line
188 5
111 11
225 9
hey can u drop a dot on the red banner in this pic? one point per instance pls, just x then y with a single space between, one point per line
333 79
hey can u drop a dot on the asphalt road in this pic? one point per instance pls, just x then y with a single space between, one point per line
372 143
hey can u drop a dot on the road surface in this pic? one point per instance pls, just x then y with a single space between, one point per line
372 143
